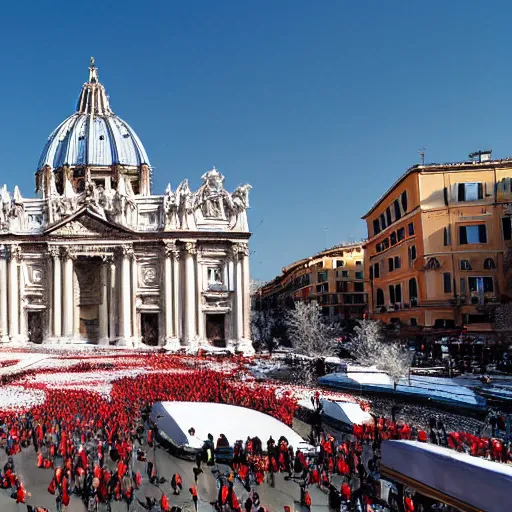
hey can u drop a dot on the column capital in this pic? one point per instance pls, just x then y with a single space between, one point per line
4 252
15 252
68 253
191 247
171 249
54 251
126 251
240 249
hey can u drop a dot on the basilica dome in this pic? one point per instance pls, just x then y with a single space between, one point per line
93 136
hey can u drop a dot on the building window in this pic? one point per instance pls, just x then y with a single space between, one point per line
474 234
376 226
481 284
388 216
414 322
447 282
359 275
470 191
322 276
463 286
376 270
382 221
322 288
489 264
403 199
391 265
507 228
398 293
320 264
359 263
214 276
392 238
344 273
396 206
401 234
340 263
412 253
391 294
380 297
342 286
413 292
397 262
447 236
371 272
385 244
410 228
465 265
359 287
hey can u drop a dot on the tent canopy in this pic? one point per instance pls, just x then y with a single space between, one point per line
175 419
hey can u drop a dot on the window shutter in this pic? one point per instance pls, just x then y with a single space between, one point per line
461 196
445 194
482 234
463 237
445 236
480 191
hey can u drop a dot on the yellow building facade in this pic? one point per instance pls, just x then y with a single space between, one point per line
438 242
334 278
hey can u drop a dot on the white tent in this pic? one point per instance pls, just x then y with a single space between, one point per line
175 419
449 475
349 413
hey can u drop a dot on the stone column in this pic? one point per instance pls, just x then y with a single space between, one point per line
133 293
126 300
14 290
199 302
112 300
103 308
246 289
4 326
170 302
68 306
177 323
23 303
239 319
56 321
190 294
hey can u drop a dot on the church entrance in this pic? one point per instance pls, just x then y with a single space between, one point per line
215 329
35 326
149 328
88 294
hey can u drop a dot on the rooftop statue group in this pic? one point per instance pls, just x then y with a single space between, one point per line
211 205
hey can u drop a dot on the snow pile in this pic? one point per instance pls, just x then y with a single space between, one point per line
16 397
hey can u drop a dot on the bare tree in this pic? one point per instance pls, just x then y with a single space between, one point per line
309 333
262 325
369 348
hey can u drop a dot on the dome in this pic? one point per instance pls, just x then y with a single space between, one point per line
93 135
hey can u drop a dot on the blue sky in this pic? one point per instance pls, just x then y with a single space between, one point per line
319 105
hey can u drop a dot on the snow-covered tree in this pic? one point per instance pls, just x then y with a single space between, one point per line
369 348
262 325
308 331
503 316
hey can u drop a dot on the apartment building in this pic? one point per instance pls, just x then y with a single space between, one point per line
334 278
437 254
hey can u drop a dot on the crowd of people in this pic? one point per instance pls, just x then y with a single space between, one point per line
90 442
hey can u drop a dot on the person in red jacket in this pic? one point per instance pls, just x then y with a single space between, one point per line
176 483
193 492
164 504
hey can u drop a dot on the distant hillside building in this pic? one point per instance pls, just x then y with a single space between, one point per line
334 278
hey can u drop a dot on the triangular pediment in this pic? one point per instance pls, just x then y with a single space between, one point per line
85 223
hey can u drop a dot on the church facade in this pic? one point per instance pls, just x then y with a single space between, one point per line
98 258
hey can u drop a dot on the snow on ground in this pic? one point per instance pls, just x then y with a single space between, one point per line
14 397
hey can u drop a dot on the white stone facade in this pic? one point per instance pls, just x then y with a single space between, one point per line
98 259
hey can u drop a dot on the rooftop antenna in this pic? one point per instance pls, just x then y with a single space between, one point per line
421 152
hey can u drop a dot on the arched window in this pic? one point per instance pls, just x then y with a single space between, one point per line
380 297
489 264
413 292
465 265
